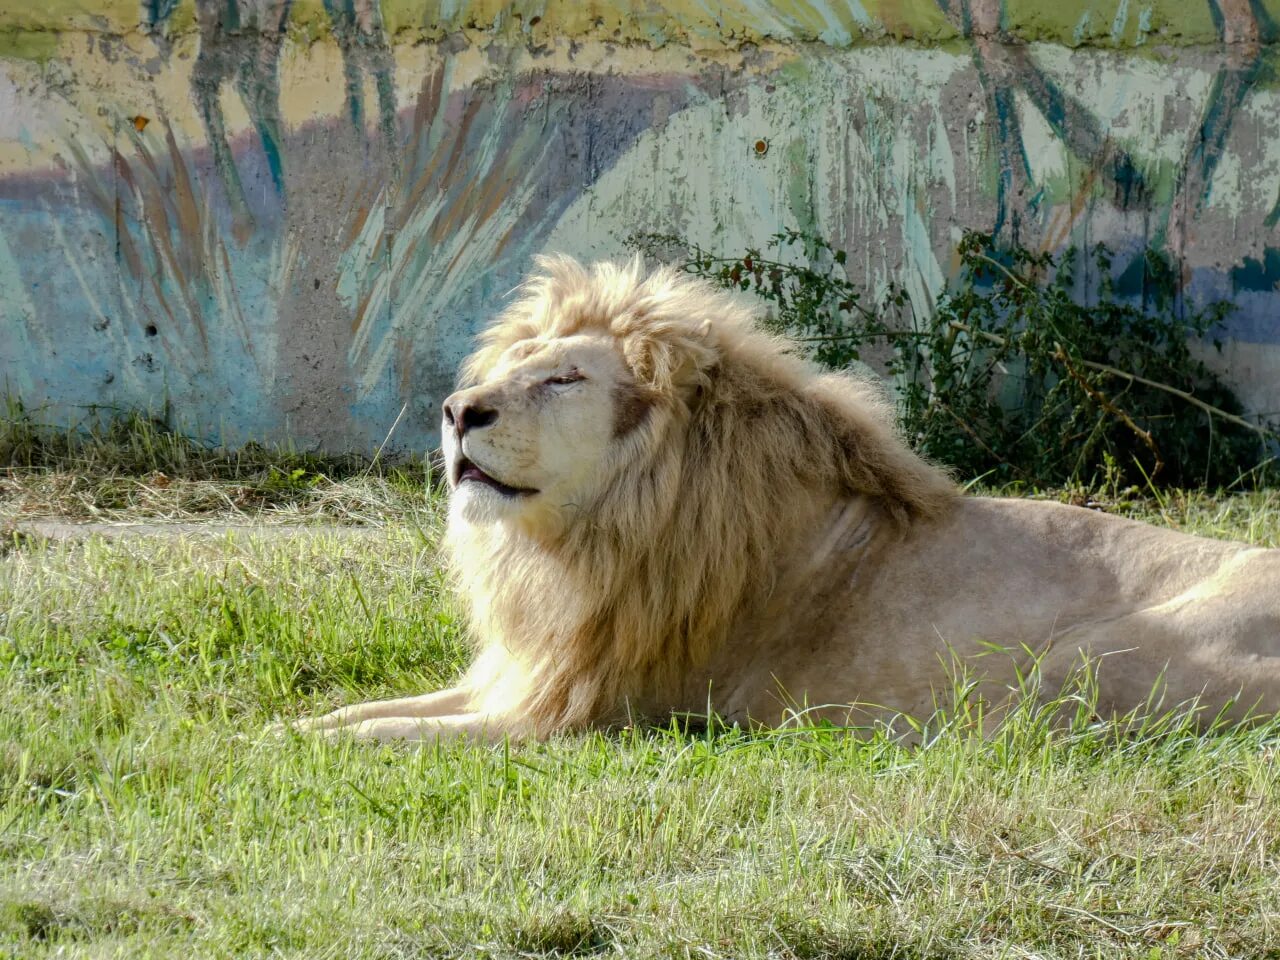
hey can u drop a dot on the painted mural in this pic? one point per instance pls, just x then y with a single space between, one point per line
285 219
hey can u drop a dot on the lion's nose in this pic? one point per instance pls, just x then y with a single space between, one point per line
463 415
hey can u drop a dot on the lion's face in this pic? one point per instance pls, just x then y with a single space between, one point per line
541 434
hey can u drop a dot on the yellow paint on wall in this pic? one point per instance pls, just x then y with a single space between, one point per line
59 15
1114 22
694 23
94 110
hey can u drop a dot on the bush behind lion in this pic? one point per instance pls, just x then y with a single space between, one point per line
1030 369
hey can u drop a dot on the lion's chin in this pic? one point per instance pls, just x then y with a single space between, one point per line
480 503
477 505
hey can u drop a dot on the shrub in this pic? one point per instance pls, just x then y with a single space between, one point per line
1028 370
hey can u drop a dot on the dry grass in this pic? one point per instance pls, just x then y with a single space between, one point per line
156 497
136 469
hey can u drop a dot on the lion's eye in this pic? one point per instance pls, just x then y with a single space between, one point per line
565 378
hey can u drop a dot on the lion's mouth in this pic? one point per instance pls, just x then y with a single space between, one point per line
465 471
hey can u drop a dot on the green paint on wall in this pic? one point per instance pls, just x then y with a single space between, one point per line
1161 181
799 185
37 45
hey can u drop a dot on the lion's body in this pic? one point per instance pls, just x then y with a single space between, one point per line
885 617
658 508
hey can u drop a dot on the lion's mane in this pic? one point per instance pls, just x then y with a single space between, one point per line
728 433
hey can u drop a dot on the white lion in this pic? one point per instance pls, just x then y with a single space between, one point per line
656 507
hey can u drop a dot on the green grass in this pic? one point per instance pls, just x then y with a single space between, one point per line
144 812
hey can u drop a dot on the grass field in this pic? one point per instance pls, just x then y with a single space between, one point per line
144 812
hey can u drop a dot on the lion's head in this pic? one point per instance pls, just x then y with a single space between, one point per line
624 454
544 431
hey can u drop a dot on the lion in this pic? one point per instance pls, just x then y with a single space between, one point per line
657 507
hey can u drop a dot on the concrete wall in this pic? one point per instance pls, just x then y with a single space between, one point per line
286 220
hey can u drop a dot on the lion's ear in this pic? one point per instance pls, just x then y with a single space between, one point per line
673 363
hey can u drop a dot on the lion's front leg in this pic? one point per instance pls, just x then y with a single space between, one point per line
475 727
442 703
